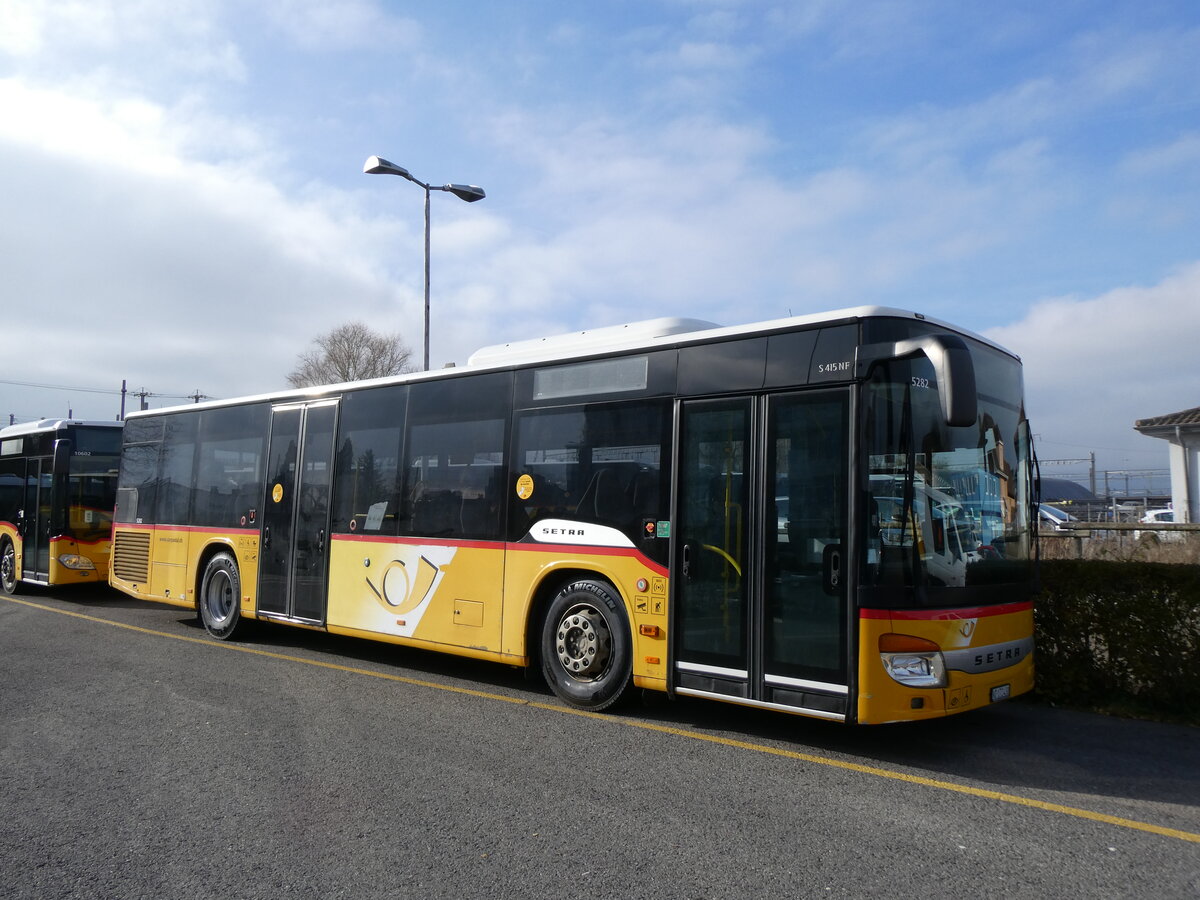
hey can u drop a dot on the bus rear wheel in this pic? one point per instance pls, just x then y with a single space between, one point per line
220 597
8 569
587 650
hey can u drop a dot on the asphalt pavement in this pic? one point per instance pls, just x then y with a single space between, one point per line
140 758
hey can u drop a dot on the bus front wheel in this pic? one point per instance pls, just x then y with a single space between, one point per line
220 597
8 569
587 650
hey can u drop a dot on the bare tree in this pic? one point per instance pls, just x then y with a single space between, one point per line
349 353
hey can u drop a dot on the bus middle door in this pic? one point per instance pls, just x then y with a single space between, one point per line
294 555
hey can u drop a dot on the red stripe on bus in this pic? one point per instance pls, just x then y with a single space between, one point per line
591 550
410 541
967 612
95 543
564 549
188 528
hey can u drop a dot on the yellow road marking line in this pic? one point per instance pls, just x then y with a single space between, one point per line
1000 796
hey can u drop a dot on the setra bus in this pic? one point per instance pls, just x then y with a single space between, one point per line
58 482
766 515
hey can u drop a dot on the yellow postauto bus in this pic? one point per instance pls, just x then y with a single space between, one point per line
58 481
826 515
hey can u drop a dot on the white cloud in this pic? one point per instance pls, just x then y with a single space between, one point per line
1178 157
326 27
137 260
117 37
166 214
20 29
1095 365
212 280
119 132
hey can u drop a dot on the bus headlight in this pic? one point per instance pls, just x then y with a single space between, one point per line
75 561
912 661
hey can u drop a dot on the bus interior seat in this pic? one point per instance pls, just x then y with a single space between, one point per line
611 502
437 513
645 493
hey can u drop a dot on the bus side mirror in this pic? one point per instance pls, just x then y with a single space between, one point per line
63 448
952 364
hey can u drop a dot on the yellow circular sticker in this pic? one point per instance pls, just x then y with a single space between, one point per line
277 493
525 487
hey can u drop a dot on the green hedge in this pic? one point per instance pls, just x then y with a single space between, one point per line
1120 637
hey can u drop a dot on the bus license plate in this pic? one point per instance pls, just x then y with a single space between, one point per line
1001 693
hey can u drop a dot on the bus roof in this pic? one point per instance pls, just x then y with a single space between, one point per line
585 342
646 335
652 332
44 425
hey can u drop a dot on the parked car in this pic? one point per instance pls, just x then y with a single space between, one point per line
1159 517
1051 518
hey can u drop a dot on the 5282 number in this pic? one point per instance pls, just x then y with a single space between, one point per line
919 382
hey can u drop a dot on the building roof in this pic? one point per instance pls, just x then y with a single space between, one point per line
1063 490
1188 418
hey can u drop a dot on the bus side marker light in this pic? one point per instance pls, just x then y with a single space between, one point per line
653 660
650 631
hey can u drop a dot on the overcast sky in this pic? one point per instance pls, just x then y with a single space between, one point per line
184 204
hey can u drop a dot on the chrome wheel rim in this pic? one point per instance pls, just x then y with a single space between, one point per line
218 598
583 643
8 567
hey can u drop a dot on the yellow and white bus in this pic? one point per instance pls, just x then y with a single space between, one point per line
783 515
58 481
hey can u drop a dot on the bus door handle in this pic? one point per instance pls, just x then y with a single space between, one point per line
686 562
266 542
321 541
831 568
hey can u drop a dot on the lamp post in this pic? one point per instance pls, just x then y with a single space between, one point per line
377 165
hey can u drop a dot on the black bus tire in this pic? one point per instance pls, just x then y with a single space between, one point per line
220 600
587 648
8 569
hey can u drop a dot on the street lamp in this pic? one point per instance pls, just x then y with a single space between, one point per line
377 165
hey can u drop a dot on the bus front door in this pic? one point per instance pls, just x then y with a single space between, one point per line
37 523
759 572
294 549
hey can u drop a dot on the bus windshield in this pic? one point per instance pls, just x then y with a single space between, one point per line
948 509
92 482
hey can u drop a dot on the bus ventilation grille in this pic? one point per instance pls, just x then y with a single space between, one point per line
131 556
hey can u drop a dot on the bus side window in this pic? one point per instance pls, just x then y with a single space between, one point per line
454 457
367 461
603 464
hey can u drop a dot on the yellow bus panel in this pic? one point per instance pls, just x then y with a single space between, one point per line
987 652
